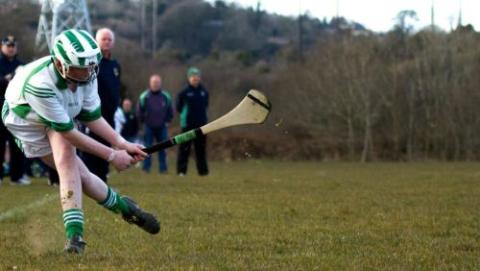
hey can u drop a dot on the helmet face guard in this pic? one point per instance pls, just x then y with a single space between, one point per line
79 55
80 75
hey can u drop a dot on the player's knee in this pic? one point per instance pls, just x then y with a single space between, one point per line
85 175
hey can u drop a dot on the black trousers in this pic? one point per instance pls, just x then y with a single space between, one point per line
17 158
200 145
95 164
46 171
53 176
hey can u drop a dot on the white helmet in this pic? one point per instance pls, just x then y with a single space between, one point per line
76 49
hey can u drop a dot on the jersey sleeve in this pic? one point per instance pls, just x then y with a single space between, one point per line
91 104
47 106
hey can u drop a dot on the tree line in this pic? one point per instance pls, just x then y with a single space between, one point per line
393 96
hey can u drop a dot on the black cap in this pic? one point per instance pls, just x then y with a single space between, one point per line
9 40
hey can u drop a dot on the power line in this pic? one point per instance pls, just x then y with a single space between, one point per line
142 24
154 27
432 15
300 30
460 13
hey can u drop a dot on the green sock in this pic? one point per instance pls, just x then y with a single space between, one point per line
73 221
115 203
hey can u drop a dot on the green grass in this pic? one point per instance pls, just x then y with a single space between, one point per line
264 215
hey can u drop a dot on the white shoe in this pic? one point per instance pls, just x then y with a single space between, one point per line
181 174
22 181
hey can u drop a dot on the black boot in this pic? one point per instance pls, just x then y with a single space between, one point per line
139 217
75 245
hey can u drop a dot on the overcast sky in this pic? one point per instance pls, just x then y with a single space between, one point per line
377 15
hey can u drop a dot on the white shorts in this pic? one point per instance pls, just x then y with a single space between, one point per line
30 136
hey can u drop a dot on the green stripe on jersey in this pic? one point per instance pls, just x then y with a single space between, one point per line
19 143
45 90
22 110
39 92
88 116
57 126
77 45
35 71
4 111
61 83
36 94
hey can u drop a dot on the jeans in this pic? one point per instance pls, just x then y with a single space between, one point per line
159 134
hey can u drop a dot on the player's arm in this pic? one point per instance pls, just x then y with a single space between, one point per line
87 144
52 114
120 159
101 128
91 116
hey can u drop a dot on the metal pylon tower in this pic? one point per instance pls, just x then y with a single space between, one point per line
57 16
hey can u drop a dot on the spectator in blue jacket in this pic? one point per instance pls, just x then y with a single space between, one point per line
155 111
192 104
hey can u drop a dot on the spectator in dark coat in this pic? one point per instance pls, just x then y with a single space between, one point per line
8 64
192 104
109 91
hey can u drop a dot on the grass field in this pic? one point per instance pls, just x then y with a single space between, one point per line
263 215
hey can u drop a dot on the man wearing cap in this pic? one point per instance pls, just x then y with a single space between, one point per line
8 64
109 92
192 104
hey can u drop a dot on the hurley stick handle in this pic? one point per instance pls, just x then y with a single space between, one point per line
178 139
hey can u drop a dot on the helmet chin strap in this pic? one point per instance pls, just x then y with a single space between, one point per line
73 81
64 72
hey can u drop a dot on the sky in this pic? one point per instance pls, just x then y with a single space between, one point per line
377 15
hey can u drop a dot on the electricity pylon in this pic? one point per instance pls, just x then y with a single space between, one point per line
57 16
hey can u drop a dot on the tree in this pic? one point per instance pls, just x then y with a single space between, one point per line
405 20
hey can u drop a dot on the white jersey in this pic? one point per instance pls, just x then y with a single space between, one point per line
38 99
39 94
